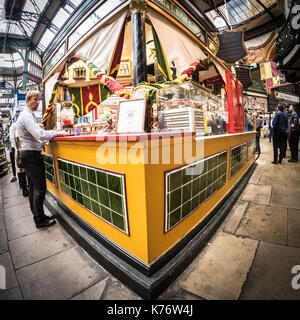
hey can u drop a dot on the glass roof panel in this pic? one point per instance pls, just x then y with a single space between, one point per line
76 2
11 60
60 18
47 38
237 12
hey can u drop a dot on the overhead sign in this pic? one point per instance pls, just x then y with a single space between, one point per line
287 97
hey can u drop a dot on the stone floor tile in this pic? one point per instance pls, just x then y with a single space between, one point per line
293 181
294 228
3 241
20 227
13 213
39 245
92 293
270 275
115 290
14 201
12 294
264 223
182 294
255 177
285 197
233 220
2 223
267 178
61 276
258 195
10 276
220 270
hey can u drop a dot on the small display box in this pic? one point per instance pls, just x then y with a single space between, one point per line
188 119
188 106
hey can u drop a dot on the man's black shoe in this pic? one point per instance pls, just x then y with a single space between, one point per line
292 160
274 162
45 223
25 192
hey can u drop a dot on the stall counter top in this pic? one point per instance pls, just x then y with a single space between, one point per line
125 137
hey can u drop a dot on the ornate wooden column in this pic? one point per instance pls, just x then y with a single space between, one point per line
138 8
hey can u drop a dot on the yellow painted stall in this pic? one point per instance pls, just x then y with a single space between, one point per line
146 166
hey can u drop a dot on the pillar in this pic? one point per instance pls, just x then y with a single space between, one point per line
138 8
25 70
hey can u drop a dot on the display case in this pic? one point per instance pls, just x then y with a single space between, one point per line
189 106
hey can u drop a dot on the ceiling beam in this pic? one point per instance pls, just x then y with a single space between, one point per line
8 25
200 15
268 11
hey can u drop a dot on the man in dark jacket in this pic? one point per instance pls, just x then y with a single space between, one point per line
258 130
284 140
280 125
294 134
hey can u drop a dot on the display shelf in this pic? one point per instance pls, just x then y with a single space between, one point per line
4 171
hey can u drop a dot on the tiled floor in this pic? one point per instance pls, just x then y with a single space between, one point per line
249 257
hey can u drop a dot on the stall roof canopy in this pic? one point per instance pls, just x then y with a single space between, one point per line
33 23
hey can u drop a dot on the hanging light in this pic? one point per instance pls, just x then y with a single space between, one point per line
219 22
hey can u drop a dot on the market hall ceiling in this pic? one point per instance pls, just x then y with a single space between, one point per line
34 23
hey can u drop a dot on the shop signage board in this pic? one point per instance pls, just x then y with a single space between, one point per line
175 11
131 116
286 97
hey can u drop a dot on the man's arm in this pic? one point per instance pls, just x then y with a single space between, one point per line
36 131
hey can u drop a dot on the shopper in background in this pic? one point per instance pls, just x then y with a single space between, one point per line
31 136
250 126
284 140
280 125
271 119
21 171
258 131
294 133
11 148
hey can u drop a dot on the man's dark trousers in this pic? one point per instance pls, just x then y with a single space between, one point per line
35 169
284 144
278 142
294 141
12 160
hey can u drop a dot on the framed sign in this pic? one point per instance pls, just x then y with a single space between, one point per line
131 116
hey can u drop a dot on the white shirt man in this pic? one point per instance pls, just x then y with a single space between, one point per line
31 137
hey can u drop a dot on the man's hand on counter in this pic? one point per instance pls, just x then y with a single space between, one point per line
61 134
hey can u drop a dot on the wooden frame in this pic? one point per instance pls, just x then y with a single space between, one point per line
131 116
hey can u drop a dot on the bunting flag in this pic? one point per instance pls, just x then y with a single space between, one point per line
85 99
274 78
114 65
161 57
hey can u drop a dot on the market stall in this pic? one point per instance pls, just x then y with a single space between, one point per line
149 168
